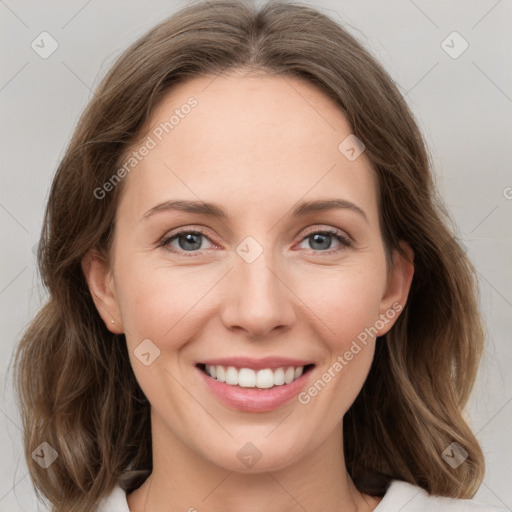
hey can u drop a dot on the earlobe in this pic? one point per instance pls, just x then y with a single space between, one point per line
398 286
100 281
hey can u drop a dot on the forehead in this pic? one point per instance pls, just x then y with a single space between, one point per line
247 140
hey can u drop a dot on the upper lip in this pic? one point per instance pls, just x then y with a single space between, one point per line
256 364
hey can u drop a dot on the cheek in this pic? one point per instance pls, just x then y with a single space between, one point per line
156 302
347 306
350 314
345 301
160 308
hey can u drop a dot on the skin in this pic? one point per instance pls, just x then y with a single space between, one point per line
257 145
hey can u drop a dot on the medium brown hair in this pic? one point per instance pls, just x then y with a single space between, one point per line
76 387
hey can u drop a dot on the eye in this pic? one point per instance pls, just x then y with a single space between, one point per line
190 241
187 240
321 240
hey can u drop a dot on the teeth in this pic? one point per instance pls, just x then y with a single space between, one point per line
289 375
248 378
279 377
232 376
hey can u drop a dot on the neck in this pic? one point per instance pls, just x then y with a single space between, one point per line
182 480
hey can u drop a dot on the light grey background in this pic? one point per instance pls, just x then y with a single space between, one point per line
463 106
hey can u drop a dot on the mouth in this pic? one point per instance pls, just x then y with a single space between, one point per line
255 390
263 378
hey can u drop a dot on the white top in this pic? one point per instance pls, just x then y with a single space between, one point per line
400 497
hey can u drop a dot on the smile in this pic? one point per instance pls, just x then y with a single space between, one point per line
264 378
255 390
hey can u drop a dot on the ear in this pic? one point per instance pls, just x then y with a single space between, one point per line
100 280
397 287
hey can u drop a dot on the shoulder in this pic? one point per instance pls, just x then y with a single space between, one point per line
406 497
116 501
400 495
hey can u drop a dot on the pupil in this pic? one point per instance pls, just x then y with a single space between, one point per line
189 238
319 238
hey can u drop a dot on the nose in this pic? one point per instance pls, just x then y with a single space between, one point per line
258 299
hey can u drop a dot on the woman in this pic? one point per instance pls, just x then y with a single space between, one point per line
315 345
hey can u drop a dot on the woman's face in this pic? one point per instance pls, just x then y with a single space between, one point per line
262 288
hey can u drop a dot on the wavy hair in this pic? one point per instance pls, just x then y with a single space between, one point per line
75 384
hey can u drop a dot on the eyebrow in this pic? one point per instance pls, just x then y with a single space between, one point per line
217 211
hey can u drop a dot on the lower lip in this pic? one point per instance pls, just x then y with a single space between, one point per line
255 399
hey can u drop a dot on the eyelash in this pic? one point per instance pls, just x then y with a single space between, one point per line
198 231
